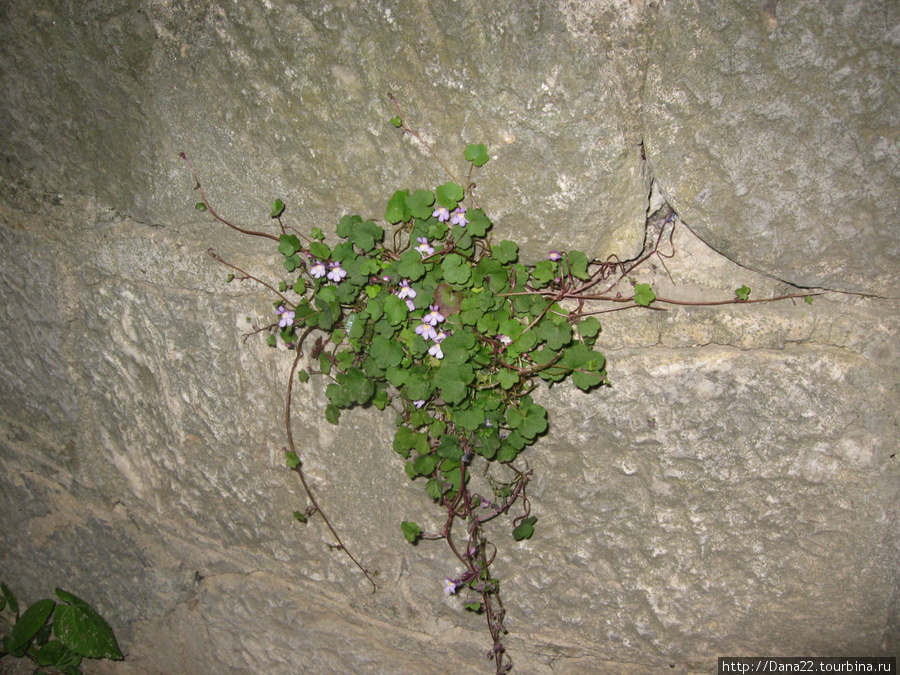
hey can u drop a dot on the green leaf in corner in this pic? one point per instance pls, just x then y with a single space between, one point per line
80 628
742 293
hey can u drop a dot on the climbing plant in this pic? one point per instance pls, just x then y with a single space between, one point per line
423 313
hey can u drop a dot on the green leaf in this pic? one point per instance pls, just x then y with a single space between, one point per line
434 488
299 286
277 208
386 352
357 385
29 623
473 606
332 414
586 380
426 464
10 598
56 654
83 630
396 121
529 419
397 210
301 517
507 378
449 195
410 266
200 206
525 529
449 447
479 223
578 263
456 270
643 295
319 250
506 252
742 293
291 459
589 327
288 244
420 202
808 299
477 154
395 310
411 531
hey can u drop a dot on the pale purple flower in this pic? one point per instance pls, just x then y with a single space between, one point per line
318 269
459 216
442 214
419 403
426 331
554 256
434 317
449 586
485 503
336 272
410 306
435 349
405 291
505 339
287 316
424 247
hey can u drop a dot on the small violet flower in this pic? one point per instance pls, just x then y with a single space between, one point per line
485 503
435 349
318 269
434 317
410 306
419 403
554 256
336 272
459 216
405 291
442 214
287 316
426 331
505 339
449 586
423 247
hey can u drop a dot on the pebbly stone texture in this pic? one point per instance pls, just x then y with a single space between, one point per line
733 491
772 128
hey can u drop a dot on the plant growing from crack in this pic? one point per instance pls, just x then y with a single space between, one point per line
436 321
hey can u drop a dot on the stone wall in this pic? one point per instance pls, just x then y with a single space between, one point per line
734 492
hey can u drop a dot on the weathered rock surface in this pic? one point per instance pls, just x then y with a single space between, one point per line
734 491
772 128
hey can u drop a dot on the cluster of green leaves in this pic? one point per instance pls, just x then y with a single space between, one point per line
57 635
504 331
